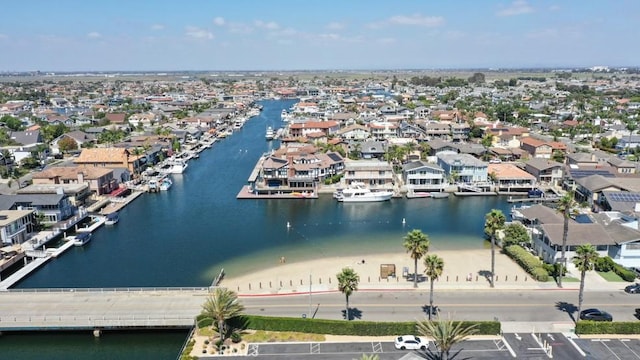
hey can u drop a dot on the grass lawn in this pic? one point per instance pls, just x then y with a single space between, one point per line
610 276
565 279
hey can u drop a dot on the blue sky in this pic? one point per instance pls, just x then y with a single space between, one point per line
139 35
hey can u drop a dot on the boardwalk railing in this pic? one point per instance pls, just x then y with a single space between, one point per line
36 322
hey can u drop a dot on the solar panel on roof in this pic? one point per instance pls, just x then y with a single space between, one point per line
624 197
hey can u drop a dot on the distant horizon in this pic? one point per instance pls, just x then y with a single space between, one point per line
274 35
488 69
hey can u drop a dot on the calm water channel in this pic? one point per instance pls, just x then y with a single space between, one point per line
184 236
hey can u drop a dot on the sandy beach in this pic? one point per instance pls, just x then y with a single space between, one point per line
462 269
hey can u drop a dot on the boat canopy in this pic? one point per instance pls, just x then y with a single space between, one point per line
83 236
112 216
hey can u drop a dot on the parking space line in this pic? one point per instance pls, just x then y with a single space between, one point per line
314 348
377 347
575 346
630 349
504 341
608 348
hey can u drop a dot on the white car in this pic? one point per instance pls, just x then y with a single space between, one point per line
411 342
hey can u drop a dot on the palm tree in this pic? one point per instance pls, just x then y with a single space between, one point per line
445 334
222 305
494 221
348 283
417 245
584 261
565 207
434 265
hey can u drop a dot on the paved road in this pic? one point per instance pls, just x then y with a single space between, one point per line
84 308
503 305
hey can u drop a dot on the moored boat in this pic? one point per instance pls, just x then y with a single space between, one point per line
112 218
80 238
439 195
269 134
165 184
357 192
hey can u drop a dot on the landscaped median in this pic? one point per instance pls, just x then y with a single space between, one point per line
356 328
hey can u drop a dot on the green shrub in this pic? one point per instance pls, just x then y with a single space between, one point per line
624 273
205 322
604 264
602 327
358 328
530 263
540 274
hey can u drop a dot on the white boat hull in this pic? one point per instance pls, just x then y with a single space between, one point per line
369 197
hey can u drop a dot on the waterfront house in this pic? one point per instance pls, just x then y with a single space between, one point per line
111 157
463 168
374 173
302 129
422 176
627 202
545 171
589 188
16 225
51 207
372 149
78 193
510 178
548 242
99 180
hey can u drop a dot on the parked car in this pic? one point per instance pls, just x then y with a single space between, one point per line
411 342
595 315
633 289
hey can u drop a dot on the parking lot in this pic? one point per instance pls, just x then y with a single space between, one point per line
617 349
472 349
522 346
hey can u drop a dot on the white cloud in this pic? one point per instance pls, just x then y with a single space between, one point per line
3 36
517 7
271 25
454 34
335 26
157 27
386 40
543 34
330 36
219 21
240 28
198 33
417 20
554 7
409 20
94 35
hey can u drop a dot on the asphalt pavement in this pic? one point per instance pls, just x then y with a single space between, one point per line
524 346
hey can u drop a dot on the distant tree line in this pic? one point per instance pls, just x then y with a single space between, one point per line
438 81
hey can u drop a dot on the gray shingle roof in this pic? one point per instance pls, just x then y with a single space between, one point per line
579 234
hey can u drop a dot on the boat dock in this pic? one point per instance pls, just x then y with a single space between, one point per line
246 193
96 222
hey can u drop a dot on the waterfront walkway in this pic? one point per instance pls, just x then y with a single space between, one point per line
91 309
